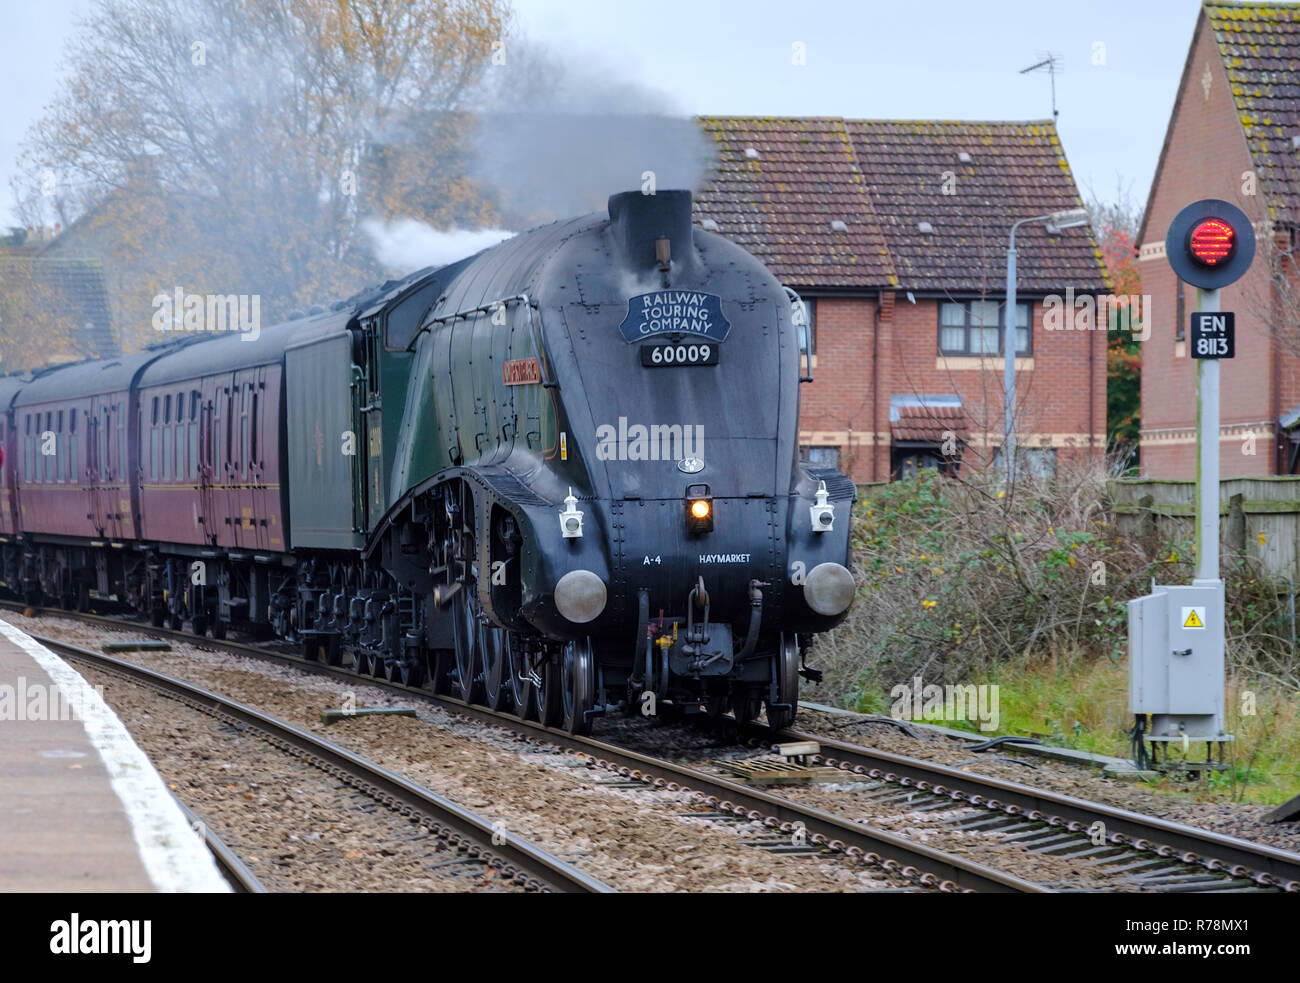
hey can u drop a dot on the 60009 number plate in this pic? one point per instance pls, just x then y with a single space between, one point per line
687 353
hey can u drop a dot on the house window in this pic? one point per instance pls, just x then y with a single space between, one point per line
821 457
808 332
974 327
1040 462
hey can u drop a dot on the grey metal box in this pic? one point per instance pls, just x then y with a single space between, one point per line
1176 651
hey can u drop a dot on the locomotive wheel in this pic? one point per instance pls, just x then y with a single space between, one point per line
578 686
200 625
219 628
158 616
784 687
522 690
496 673
468 658
550 699
175 622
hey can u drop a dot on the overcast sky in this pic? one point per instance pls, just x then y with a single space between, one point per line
943 59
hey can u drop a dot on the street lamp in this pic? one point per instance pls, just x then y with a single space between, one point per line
1068 219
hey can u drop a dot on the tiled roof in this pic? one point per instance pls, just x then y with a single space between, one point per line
915 174
1260 47
930 424
780 183
777 187
75 290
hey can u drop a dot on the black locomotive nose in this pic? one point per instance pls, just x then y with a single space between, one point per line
641 225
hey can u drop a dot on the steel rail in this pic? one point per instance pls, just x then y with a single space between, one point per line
895 854
481 840
1264 864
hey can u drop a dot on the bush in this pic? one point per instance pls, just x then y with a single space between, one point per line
957 577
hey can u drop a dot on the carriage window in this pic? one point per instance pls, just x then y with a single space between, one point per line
101 443
153 442
119 462
243 431
257 461
27 450
49 457
60 449
195 397
230 429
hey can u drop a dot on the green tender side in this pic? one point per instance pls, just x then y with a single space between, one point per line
319 415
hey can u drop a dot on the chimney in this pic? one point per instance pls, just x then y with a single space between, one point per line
637 221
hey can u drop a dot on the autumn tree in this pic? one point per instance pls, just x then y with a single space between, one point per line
236 146
1115 225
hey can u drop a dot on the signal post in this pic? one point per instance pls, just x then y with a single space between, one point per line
1176 633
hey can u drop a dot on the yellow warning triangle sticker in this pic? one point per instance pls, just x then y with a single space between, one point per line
1193 621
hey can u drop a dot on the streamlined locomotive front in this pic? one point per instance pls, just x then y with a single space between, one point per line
693 552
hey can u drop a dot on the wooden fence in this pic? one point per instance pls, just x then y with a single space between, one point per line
1257 516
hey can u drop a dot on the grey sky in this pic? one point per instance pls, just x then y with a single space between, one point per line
942 59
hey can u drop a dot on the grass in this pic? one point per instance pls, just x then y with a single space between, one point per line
1080 701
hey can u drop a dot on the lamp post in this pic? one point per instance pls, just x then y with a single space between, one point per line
1055 220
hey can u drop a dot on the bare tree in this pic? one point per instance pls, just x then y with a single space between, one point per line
236 147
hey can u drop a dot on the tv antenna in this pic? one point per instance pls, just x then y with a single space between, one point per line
1050 63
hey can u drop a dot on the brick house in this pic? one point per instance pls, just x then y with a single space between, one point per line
64 300
895 232
1234 134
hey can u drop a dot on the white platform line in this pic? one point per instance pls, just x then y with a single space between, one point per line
173 854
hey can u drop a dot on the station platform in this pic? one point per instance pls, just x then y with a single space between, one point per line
81 807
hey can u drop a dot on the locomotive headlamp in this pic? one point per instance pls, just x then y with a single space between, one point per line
699 509
829 589
580 596
571 518
822 512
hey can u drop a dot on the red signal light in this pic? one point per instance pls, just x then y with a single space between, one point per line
1212 242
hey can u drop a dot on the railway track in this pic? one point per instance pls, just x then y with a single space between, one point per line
235 871
1143 852
458 828
1147 851
917 863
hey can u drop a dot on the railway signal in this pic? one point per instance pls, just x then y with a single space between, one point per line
1176 633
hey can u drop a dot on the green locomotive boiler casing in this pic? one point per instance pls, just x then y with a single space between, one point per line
523 371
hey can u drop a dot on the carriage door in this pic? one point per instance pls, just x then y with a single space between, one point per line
372 429
100 473
245 472
210 515
226 422
261 493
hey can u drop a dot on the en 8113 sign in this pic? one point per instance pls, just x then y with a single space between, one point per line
1213 335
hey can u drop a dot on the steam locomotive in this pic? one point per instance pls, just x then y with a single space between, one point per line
558 477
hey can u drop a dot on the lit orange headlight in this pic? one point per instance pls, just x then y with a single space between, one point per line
699 509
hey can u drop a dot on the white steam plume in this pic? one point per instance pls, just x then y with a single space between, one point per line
408 244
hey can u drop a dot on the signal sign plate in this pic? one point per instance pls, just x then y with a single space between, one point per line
1193 617
1213 335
